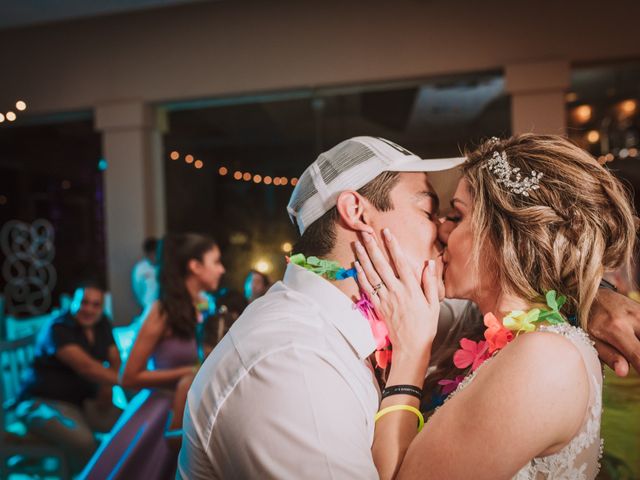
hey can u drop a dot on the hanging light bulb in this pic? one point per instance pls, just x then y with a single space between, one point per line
582 114
628 107
593 136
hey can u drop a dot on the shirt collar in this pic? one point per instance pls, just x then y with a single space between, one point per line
335 306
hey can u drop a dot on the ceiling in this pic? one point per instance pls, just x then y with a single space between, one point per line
23 13
434 113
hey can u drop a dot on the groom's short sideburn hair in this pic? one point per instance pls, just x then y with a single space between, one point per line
319 238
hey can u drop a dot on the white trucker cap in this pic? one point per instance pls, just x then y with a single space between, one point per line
350 165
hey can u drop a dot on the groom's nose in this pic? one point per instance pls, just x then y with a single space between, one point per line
444 229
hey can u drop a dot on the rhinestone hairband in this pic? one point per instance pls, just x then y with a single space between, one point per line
510 177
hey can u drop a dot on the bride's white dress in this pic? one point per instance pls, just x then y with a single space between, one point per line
580 458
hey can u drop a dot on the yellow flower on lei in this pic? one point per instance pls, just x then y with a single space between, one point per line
520 321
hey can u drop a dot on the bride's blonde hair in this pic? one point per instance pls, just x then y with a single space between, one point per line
562 236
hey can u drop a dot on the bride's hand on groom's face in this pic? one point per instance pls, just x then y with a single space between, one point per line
614 324
408 303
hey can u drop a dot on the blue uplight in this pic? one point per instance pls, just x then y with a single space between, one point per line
102 165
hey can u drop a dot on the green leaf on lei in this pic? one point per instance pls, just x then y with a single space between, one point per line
561 301
553 315
319 266
551 300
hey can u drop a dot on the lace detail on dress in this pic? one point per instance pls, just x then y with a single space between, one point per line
573 461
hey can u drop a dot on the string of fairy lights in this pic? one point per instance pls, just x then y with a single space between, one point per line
237 175
10 115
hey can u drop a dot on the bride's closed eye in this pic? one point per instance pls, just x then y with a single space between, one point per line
453 218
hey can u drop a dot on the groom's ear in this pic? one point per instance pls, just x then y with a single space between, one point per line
352 208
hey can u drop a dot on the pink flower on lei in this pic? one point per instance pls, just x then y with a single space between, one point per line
472 353
449 386
383 358
378 327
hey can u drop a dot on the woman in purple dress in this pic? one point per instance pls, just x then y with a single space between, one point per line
140 444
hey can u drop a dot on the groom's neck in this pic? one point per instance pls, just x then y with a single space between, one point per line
344 254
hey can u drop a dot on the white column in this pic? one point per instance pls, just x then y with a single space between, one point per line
538 96
134 192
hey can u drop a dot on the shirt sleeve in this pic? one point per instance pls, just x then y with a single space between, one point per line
293 415
61 335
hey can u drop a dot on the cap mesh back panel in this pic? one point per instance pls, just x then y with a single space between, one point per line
342 160
305 191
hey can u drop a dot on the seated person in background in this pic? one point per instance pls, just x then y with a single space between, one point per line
230 306
141 442
68 394
144 278
255 285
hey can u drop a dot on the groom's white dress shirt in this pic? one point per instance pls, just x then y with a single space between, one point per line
289 391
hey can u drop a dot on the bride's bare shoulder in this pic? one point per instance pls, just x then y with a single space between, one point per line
543 360
546 371
547 354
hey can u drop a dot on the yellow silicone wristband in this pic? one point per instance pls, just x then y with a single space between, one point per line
408 408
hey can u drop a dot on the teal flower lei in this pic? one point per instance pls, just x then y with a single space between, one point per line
329 269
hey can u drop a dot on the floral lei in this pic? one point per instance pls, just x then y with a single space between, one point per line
499 334
471 354
326 268
333 271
